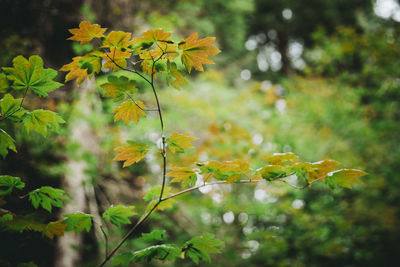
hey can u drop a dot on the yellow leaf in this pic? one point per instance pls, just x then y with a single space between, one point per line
86 32
183 175
177 142
129 111
115 59
179 79
283 159
196 52
55 228
157 35
75 71
131 153
118 39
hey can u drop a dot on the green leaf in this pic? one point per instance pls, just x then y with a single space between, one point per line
54 228
154 236
41 121
8 183
3 83
6 143
22 223
344 178
78 222
272 172
47 197
160 252
6 218
199 248
31 74
11 107
119 214
118 87
123 259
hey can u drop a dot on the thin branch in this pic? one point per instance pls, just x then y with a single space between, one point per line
106 238
133 100
20 106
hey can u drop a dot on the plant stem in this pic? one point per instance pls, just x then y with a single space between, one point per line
20 106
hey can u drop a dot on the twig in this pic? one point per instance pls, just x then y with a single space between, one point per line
20 106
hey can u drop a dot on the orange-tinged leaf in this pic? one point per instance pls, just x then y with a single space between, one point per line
118 39
75 71
55 228
129 111
183 175
86 32
283 159
157 35
115 59
178 142
344 177
131 153
195 52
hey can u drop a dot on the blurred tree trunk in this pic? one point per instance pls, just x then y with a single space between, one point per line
77 182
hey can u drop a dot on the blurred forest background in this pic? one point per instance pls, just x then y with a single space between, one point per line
318 78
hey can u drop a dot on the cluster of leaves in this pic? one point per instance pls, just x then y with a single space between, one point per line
196 249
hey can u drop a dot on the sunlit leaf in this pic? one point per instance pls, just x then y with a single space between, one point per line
47 197
86 32
119 214
272 172
129 110
11 107
178 142
115 59
118 87
183 175
6 143
8 183
31 74
131 153
344 178
118 39
78 222
283 159
55 228
200 248
153 196
230 171
41 121
195 52
157 35
160 252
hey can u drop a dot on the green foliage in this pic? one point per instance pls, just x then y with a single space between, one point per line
344 178
31 74
41 121
78 222
8 183
119 214
154 236
11 107
200 248
6 143
47 197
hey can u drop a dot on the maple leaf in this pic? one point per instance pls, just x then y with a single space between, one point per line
153 195
31 74
6 143
117 87
177 142
283 159
78 222
86 32
175 77
131 153
230 171
195 52
272 172
41 121
344 178
3 83
154 236
118 39
157 35
119 214
183 175
47 196
82 67
115 59
54 228
199 248
129 110
8 183
11 107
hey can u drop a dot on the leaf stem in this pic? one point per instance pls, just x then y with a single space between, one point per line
20 106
